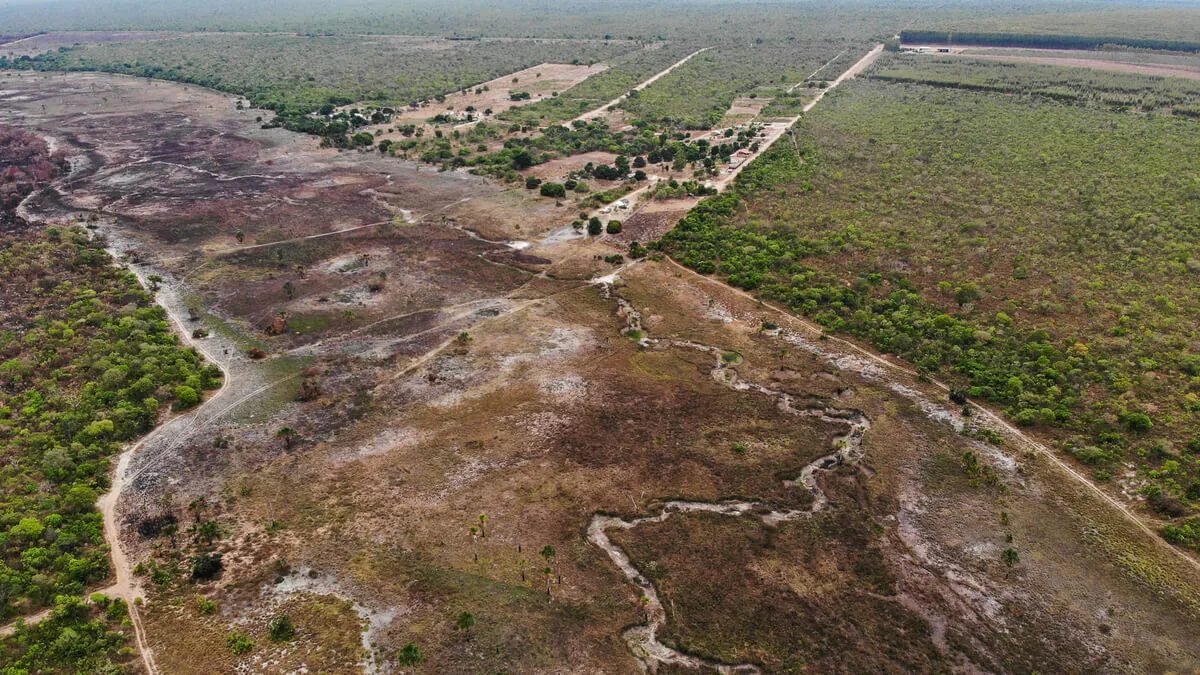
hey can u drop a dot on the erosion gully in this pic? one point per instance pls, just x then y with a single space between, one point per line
847 449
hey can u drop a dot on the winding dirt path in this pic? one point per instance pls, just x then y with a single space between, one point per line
599 112
126 586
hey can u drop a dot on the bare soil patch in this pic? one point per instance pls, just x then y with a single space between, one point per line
743 109
541 81
480 380
557 169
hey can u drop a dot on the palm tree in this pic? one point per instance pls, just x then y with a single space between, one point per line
288 435
483 525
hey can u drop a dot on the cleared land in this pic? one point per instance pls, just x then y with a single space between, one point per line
543 81
1189 72
480 377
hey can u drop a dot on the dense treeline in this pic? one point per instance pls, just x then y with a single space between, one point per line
1025 369
690 19
1161 22
87 362
1038 41
77 637
1003 243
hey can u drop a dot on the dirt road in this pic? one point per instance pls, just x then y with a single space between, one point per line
814 73
993 417
599 112
775 130
997 420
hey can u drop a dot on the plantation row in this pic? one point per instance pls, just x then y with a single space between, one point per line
1039 41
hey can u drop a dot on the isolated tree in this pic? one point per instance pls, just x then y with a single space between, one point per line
550 556
555 190
287 435
465 622
289 289
240 236
409 655
1010 556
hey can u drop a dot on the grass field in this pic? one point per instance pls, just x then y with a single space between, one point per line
1038 251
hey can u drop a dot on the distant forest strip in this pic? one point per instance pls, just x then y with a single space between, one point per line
944 37
294 74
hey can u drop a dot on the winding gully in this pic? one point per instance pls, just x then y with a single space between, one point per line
643 639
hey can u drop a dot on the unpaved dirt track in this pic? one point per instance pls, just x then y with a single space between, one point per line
125 586
814 73
993 417
598 112
777 130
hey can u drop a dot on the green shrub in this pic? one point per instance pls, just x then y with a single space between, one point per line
239 643
555 190
281 628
